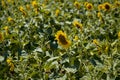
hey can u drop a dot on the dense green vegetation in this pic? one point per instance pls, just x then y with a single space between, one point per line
59 40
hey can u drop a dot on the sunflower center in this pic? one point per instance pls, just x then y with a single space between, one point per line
89 6
77 4
63 40
77 25
107 7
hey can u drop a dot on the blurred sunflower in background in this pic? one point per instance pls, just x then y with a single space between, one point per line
100 7
57 11
77 4
62 39
89 6
95 41
99 15
10 64
117 3
34 3
106 6
77 24
85 3
22 10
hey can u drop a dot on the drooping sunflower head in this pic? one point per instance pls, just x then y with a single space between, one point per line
77 24
62 39
106 6
89 6
99 15
77 4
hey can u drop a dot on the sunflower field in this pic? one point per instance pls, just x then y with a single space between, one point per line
59 40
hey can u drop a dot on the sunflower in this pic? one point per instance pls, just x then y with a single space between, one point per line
77 24
100 7
117 3
99 15
89 6
34 4
27 6
57 12
76 38
85 3
106 6
22 10
10 64
77 4
95 41
1 37
9 19
62 39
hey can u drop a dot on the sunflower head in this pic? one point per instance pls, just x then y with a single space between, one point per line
62 39
100 7
117 3
95 41
21 9
77 24
76 38
106 6
57 12
85 3
99 15
89 6
9 19
77 4
11 65
34 4
27 6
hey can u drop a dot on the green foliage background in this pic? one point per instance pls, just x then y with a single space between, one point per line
30 41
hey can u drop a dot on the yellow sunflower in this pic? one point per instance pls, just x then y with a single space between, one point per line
95 41
22 10
57 12
77 24
106 6
99 15
76 38
27 6
89 6
117 3
77 4
10 64
1 37
100 7
85 3
62 39
34 4
9 19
